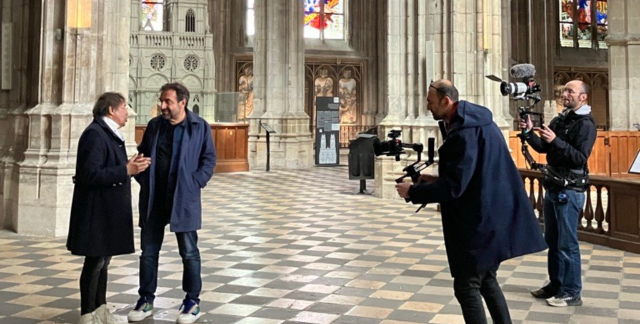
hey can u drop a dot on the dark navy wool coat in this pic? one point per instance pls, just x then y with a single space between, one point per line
486 215
101 221
197 158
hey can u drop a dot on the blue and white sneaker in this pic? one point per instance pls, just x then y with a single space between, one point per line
189 312
142 310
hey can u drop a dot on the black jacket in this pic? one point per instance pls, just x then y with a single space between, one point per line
101 221
486 215
570 150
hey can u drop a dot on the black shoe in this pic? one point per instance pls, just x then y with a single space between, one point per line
564 300
544 292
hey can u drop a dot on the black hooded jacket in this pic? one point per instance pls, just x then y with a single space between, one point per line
575 136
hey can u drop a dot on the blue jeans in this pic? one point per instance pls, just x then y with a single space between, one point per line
151 239
470 290
561 235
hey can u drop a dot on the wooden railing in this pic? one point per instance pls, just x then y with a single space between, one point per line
612 153
349 132
610 216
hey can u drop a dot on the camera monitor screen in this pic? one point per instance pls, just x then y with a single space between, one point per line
536 120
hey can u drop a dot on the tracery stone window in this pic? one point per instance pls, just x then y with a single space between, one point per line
190 22
158 61
191 63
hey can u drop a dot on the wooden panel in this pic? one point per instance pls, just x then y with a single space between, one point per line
625 212
231 142
231 147
612 154
139 132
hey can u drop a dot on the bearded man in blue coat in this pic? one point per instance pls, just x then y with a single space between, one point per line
486 215
183 157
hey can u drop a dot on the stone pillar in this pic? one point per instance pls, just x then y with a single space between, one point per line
278 67
75 60
410 68
458 40
624 66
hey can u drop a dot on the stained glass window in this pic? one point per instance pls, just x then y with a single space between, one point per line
578 28
602 21
566 23
324 19
152 15
251 29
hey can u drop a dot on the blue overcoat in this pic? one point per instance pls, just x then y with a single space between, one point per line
486 215
196 159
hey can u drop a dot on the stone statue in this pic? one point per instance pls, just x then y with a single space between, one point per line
324 84
558 88
347 91
245 86
323 87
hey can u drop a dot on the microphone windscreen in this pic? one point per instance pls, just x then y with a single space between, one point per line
523 70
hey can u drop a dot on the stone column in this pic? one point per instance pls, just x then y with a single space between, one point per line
624 66
278 67
458 40
410 68
82 50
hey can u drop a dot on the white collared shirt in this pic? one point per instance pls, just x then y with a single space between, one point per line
113 126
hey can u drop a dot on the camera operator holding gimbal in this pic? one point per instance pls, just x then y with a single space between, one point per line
568 141
486 215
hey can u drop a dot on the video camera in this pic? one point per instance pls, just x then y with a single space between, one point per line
394 146
525 90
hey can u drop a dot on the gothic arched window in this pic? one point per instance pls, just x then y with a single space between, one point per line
151 14
323 19
583 23
190 21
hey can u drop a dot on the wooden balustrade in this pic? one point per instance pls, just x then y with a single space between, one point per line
617 225
612 153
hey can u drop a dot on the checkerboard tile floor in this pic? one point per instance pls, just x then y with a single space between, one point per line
303 247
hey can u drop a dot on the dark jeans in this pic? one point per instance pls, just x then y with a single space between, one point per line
470 290
151 239
93 283
561 234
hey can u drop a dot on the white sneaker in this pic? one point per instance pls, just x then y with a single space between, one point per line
142 310
189 313
103 316
88 319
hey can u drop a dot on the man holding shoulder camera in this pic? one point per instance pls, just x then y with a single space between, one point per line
486 215
568 141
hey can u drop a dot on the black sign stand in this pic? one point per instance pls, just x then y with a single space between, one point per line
269 131
327 131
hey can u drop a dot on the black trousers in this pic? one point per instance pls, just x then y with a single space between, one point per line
93 283
470 290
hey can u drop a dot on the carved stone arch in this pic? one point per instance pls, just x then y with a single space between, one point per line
155 81
355 73
584 77
192 82
601 80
